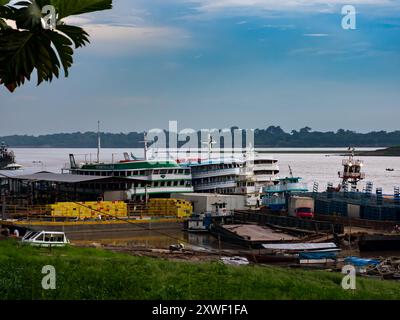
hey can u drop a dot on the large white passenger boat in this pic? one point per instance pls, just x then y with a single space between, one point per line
151 177
139 178
245 174
265 169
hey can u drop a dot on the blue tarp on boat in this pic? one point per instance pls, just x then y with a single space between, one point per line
361 262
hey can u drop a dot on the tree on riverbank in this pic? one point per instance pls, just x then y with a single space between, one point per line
27 43
272 136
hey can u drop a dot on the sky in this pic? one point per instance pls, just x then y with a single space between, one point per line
222 63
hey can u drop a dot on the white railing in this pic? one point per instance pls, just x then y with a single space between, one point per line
217 172
216 185
150 190
353 162
353 175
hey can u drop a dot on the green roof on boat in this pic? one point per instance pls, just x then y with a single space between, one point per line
132 165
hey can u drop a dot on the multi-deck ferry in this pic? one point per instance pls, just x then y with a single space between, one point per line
143 177
233 175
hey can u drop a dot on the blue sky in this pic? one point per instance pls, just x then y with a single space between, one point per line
219 63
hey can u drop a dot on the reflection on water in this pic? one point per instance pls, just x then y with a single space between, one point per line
163 239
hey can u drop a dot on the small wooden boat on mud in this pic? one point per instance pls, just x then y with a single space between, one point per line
295 252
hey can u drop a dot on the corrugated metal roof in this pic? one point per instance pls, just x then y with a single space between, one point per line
299 246
22 172
56 177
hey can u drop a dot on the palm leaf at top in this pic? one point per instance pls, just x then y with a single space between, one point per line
31 47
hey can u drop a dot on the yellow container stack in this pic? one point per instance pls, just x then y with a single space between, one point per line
85 210
169 207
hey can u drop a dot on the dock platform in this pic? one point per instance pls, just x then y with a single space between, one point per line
250 235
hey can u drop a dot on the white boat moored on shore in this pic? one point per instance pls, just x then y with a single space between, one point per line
45 238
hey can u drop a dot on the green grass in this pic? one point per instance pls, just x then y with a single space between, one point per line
98 274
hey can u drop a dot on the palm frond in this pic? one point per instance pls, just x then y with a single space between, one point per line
79 36
63 47
28 16
31 47
67 8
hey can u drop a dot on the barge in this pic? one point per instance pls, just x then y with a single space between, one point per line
95 230
379 242
249 235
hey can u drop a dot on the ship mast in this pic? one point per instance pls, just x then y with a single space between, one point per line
290 171
210 141
145 141
98 142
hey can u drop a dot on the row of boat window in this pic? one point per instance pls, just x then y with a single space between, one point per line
229 165
136 172
265 161
222 179
214 179
217 167
153 184
260 172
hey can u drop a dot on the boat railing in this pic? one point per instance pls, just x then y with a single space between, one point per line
359 175
214 185
222 171
273 200
346 162
290 187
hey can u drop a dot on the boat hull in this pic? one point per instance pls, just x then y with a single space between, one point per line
264 258
379 243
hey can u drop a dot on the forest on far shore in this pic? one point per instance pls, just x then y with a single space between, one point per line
273 136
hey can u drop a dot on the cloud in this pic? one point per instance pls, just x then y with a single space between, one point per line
78 21
304 5
316 52
316 35
131 39
279 26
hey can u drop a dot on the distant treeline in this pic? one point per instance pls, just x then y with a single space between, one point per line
273 136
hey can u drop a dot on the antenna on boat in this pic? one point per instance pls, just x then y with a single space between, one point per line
210 141
145 141
290 171
98 141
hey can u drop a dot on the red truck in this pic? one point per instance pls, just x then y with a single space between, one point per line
304 212
301 207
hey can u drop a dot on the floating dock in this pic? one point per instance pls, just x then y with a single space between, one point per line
250 235
379 242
